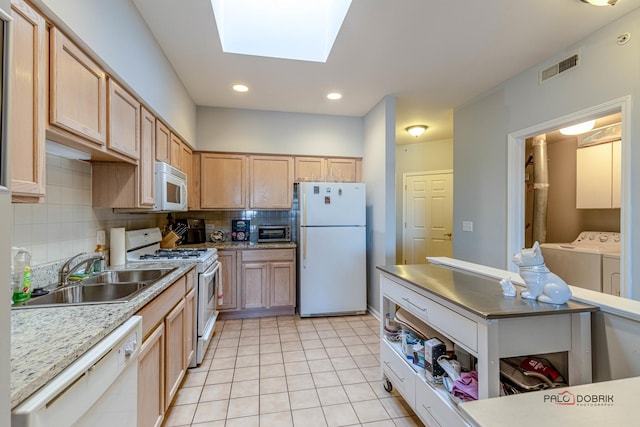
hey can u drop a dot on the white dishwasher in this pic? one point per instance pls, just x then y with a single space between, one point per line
98 389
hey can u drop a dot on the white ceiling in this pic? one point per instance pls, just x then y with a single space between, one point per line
432 55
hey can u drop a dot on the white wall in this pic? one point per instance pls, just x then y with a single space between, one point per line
116 33
419 157
228 129
378 172
608 71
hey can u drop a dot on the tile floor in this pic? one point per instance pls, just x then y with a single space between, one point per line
289 371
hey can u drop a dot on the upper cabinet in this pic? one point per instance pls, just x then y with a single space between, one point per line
223 181
78 91
163 142
147 163
598 176
124 121
28 103
331 169
175 151
270 182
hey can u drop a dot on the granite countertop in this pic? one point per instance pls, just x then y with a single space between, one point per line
45 340
243 245
476 293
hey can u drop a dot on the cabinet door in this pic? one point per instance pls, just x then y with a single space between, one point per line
163 142
228 278
78 92
189 325
341 170
282 284
185 166
616 174
223 181
310 169
174 351
271 182
593 177
175 151
124 121
193 184
28 103
146 165
254 285
151 380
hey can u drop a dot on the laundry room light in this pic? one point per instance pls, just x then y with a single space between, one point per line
416 130
288 29
579 128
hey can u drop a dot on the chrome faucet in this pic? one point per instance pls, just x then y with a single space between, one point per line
66 270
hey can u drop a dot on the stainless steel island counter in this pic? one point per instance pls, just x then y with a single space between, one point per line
470 310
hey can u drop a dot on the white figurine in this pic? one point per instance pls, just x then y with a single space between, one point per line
541 284
508 290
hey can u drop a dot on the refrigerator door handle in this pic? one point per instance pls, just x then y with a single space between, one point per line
304 247
304 208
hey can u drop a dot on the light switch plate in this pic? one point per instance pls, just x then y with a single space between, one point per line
467 226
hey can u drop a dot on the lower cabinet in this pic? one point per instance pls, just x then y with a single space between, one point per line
258 281
167 348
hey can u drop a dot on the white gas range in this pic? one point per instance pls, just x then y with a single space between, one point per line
144 246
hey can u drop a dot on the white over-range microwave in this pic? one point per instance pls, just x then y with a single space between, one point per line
171 189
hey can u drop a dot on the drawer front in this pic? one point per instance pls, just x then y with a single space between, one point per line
455 326
398 372
431 407
257 255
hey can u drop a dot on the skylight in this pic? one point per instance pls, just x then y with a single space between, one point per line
303 30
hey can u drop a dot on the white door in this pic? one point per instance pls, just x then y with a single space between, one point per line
332 203
428 216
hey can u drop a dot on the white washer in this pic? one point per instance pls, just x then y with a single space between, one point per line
579 263
611 274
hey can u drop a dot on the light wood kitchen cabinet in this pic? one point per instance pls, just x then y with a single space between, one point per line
341 170
193 185
228 278
267 278
124 185
175 151
147 164
175 366
124 121
163 142
78 92
223 181
165 356
332 169
270 182
151 380
28 103
310 169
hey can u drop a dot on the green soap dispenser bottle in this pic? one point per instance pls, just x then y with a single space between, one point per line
21 276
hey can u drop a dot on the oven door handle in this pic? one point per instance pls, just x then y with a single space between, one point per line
213 271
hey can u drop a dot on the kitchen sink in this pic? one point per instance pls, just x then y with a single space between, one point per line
126 276
112 286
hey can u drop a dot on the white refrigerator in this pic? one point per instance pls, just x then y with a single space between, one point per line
331 249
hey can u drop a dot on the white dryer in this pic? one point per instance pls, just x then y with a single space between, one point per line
579 263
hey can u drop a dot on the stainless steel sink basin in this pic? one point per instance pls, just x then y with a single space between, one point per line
113 286
125 276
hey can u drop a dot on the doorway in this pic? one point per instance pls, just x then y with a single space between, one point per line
427 216
516 176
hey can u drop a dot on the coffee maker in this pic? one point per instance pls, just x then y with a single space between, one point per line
196 231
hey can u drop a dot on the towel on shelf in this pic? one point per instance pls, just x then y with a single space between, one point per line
466 387
219 294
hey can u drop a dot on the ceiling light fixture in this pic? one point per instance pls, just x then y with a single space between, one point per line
334 96
579 128
601 2
288 29
240 88
416 130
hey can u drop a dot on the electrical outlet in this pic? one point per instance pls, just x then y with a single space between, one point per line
100 237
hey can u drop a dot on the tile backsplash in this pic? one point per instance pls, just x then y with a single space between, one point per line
65 224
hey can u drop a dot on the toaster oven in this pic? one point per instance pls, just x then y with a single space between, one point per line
274 233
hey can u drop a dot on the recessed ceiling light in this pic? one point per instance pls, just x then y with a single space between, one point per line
241 88
334 96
